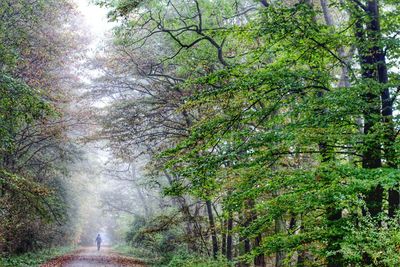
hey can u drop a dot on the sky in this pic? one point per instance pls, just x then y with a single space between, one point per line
99 28
95 18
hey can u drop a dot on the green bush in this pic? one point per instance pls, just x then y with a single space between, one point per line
149 240
380 244
186 259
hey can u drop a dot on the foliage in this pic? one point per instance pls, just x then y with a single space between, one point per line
278 117
184 258
381 244
34 258
35 205
155 240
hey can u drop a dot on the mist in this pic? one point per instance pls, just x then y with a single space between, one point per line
199 133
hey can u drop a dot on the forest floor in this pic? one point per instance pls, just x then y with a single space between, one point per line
90 257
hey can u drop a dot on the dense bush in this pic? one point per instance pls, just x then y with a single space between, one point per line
183 258
148 241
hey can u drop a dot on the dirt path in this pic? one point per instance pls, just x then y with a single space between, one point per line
90 257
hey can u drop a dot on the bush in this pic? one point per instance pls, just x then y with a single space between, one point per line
161 241
186 259
149 240
380 244
34 258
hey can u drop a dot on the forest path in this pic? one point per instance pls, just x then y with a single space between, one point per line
90 257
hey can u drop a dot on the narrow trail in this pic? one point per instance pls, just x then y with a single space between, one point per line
90 257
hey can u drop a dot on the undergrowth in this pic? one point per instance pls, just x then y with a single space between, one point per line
34 258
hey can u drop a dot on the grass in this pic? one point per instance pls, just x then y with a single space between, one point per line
191 260
137 253
34 258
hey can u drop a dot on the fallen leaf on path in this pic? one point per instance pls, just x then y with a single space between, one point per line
116 259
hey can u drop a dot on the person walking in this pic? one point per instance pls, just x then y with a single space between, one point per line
98 241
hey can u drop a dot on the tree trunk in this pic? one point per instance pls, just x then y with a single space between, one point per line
389 133
245 240
280 226
259 260
332 214
146 208
247 249
333 245
369 58
192 227
223 236
373 65
301 254
394 200
229 240
301 258
212 229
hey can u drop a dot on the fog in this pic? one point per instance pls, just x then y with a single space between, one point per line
108 191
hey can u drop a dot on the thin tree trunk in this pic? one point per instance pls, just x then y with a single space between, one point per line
245 241
280 227
223 237
333 214
394 200
247 249
147 209
301 254
259 260
229 240
212 228
192 228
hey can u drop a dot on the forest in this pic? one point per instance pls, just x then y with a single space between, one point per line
201 133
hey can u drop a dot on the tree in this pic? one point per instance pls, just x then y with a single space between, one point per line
272 111
34 147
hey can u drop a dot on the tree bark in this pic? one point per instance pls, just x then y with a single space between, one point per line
259 260
335 260
301 254
333 214
245 240
229 240
280 256
247 249
223 237
373 66
369 58
387 117
212 228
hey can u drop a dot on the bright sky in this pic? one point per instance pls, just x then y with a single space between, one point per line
96 18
